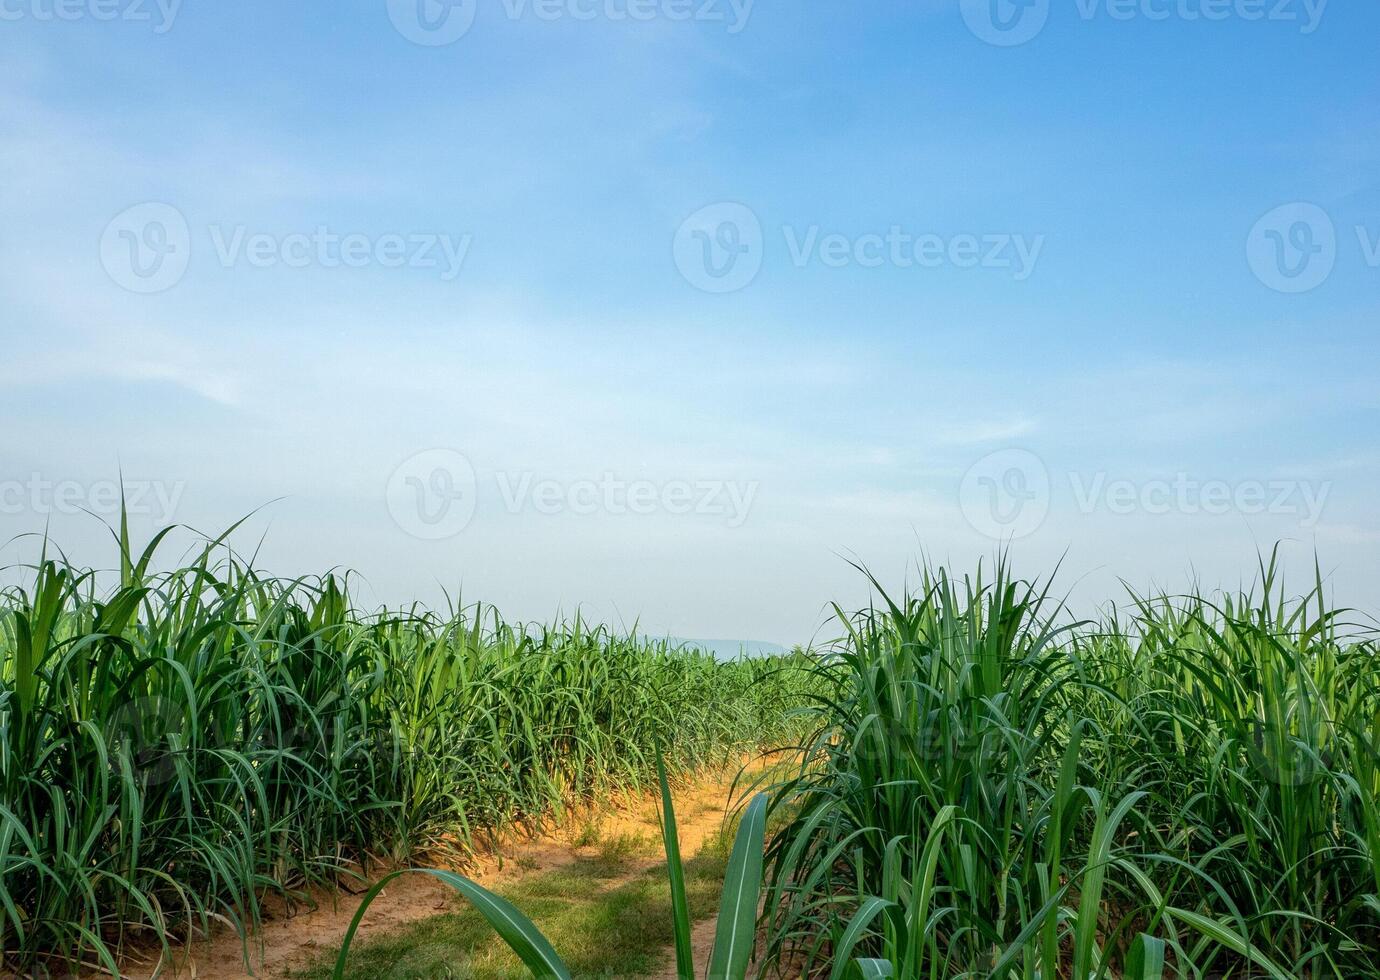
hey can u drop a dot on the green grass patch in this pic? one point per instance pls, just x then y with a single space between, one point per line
601 929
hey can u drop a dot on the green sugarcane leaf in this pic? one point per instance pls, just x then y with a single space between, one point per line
737 925
1145 959
680 906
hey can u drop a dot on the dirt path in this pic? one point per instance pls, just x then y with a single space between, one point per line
288 941
701 941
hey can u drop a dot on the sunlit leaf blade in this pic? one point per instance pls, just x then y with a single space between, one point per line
737 925
1145 960
680 905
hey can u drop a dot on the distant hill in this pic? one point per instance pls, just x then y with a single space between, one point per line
733 649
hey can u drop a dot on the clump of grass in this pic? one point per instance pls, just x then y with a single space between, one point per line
588 835
621 849
996 792
181 744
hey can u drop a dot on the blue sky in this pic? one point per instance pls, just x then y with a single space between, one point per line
1140 330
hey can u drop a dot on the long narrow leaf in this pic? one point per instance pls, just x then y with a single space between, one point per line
737 926
675 871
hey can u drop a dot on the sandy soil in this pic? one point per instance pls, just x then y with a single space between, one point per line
701 940
287 940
